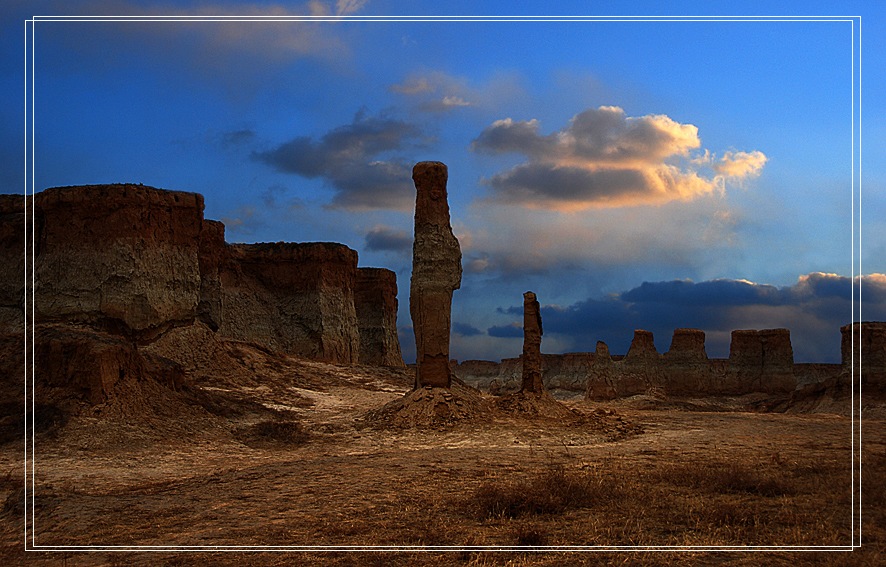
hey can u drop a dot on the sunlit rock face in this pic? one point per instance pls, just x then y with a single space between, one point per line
375 300
296 298
436 273
124 257
863 349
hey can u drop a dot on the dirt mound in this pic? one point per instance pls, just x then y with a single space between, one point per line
536 405
432 407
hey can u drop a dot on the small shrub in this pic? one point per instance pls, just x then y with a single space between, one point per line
526 535
285 432
727 478
552 491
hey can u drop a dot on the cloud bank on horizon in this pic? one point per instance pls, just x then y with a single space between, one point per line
813 309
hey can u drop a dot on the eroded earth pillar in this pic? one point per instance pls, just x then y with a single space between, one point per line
436 273
532 332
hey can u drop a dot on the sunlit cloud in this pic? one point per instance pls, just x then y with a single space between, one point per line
604 158
740 164
438 92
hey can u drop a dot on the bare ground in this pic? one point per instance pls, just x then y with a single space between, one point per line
296 456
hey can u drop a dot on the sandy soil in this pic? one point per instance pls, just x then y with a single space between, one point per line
206 479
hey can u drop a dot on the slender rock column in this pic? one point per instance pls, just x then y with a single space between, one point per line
436 273
532 332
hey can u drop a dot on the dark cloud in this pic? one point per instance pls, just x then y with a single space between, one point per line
384 238
465 330
506 331
813 309
348 157
237 137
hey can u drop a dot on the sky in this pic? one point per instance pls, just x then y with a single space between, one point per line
634 174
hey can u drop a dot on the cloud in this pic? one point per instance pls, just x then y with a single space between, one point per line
347 157
814 308
506 331
465 330
385 238
439 92
604 158
243 221
741 164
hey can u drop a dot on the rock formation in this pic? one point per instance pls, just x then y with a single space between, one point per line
139 262
375 300
600 375
641 368
121 257
685 366
863 347
759 361
532 332
293 297
436 273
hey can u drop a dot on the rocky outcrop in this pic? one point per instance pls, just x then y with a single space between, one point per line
532 332
120 257
759 361
436 273
601 379
863 347
641 368
293 298
375 300
686 369
138 262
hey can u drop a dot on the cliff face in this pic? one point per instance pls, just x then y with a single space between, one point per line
375 300
122 257
686 367
294 298
136 261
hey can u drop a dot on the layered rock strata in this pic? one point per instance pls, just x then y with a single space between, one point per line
136 262
759 361
436 273
375 300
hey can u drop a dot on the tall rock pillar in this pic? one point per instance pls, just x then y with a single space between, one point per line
436 273
532 332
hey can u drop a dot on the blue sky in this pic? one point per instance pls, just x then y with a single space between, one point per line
634 174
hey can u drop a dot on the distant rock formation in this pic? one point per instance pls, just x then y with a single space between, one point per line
759 361
532 332
685 365
436 273
137 262
375 299
863 347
